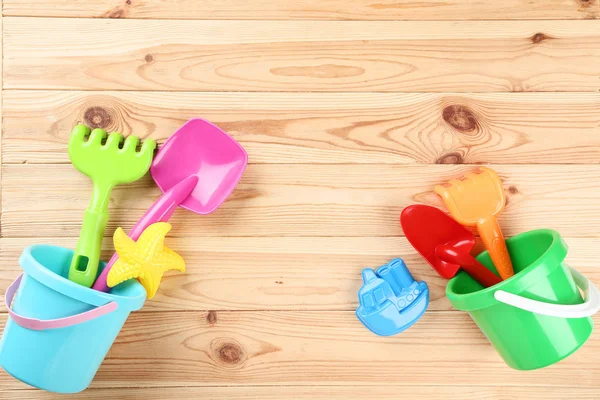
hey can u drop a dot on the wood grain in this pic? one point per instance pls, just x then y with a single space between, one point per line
305 200
407 56
349 111
310 348
1 110
317 392
307 9
512 128
293 273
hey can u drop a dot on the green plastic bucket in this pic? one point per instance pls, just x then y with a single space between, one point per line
538 316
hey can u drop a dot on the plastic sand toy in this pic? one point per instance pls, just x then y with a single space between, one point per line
391 301
146 259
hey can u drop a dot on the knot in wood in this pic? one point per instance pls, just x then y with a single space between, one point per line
97 117
228 352
450 158
539 37
231 353
460 118
211 318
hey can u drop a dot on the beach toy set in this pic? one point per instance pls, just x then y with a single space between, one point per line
531 306
67 308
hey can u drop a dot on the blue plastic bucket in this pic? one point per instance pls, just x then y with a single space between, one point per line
59 332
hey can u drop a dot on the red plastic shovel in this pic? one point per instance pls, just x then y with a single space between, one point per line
444 243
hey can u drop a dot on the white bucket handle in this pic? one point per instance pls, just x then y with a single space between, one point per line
41 325
586 309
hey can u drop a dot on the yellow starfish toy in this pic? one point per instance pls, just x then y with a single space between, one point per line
146 259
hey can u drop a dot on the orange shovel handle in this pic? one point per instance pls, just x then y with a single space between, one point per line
492 237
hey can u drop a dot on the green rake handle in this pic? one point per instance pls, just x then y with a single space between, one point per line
85 261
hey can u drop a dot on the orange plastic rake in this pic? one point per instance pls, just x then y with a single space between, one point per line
475 200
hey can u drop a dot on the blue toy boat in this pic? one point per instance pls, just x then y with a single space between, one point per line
391 301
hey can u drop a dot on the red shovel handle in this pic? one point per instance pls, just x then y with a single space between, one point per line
467 262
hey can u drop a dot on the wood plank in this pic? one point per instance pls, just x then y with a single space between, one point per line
408 56
310 348
511 128
251 273
319 392
307 9
305 200
1 113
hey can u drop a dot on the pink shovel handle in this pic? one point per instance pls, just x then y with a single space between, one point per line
42 325
160 211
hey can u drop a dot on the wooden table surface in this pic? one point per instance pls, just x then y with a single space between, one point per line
350 110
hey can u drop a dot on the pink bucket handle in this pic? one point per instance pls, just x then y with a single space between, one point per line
41 325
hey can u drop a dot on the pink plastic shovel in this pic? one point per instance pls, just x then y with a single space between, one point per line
197 168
